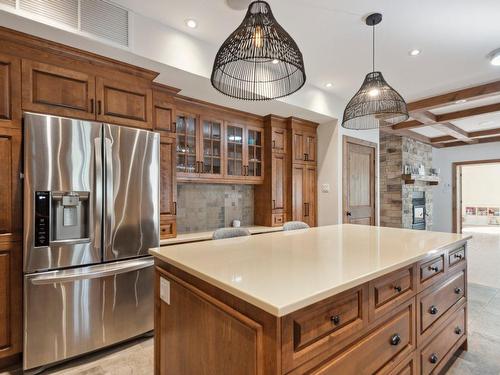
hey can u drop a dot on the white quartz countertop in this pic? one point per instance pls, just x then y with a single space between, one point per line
203 236
282 272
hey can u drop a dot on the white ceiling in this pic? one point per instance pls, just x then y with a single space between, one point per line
454 36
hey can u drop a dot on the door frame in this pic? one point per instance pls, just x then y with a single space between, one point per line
361 142
456 203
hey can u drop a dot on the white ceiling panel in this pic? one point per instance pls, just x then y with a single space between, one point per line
467 105
481 122
428 131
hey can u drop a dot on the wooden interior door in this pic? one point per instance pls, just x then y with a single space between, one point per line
10 91
278 182
124 103
359 181
59 91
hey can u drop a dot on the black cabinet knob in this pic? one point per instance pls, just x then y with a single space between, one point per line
433 310
459 256
348 213
458 290
458 330
395 339
433 358
433 268
335 319
398 289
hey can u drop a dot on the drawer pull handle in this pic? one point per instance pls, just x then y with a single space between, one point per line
458 330
335 319
458 290
459 256
433 310
395 339
433 268
398 289
433 358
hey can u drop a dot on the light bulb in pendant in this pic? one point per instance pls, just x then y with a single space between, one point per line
258 37
374 92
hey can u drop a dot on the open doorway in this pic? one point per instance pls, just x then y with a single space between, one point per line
476 198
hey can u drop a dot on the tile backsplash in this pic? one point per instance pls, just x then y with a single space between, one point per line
202 207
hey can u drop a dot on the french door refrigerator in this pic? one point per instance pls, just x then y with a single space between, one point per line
91 213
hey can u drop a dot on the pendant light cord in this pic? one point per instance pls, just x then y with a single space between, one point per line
373 48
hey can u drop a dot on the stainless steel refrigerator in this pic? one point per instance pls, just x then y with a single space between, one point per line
91 213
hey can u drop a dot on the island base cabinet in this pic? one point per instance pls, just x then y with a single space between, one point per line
197 334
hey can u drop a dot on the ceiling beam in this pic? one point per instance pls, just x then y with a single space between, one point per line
480 134
442 139
455 132
484 133
469 112
480 140
407 125
424 116
476 92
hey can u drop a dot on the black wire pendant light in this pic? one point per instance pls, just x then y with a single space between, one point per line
376 104
259 60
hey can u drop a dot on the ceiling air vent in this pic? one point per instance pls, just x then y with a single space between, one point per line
11 3
62 11
104 20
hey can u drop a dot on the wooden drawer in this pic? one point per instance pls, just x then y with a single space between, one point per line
391 290
440 349
438 299
456 256
168 228
407 367
323 326
431 271
278 220
389 343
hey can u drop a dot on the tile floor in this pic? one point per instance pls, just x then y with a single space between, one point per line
483 356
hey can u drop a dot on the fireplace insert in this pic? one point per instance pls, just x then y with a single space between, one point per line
418 203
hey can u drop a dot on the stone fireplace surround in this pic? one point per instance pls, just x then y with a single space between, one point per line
396 197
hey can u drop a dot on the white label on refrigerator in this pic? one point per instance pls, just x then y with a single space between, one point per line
165 290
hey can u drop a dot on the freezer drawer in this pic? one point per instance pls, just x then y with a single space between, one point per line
71 312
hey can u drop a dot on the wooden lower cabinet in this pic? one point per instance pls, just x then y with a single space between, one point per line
168 188
10 299
202 329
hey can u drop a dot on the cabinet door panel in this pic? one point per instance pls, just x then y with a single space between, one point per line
211 148
125 103
310 147
255 153
10 91
163 113
298 146
310 196
187 147
10 187
235 151
10 299
59 91
278 140
167 177
278 181
298 190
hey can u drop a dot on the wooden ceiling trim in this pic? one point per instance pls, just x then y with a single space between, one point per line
407 125
454 131
480 141
469 112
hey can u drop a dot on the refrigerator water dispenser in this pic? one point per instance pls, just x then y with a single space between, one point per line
70 215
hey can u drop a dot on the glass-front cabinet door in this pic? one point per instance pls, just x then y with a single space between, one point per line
212 162
255 150
234 151
187 144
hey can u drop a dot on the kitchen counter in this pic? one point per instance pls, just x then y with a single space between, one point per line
204 236
285 271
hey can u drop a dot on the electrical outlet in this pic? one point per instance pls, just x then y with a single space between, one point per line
325 188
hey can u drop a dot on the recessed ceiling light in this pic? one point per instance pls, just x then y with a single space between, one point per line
461 101
415 52
328 85
275 61
495 58
191 23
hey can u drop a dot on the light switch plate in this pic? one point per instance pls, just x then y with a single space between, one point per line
325 188
165 290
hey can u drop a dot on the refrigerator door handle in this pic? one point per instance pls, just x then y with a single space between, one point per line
98 193
108 195
92 272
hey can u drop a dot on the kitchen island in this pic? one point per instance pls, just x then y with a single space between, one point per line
342 299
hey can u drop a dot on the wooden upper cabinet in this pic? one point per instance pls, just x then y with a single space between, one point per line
254 146
211 148
10 91
304 146
10 186
124 103
188 135
10 298
278 139
163 113
59 91
235 151
278 182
